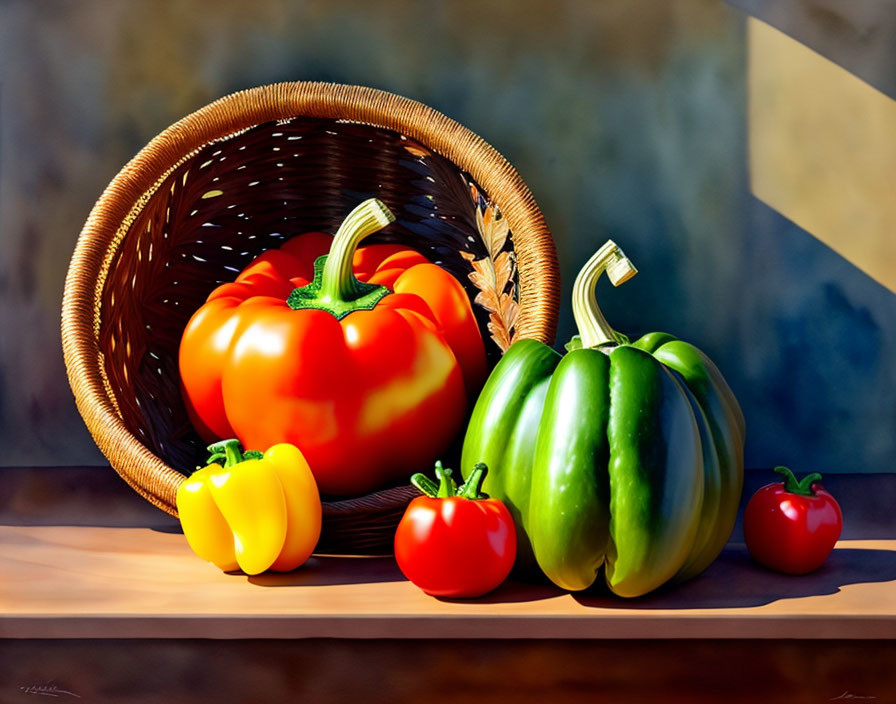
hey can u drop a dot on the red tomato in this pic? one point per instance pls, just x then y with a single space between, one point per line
455 542
792 526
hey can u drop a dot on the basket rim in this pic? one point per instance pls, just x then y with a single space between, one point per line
537 260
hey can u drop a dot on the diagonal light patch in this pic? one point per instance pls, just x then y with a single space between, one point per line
823 150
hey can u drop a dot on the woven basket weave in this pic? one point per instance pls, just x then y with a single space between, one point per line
242 175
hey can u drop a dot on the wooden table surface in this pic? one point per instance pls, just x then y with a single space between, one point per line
120 581
101 599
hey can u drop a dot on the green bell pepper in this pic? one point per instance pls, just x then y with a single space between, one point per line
626 456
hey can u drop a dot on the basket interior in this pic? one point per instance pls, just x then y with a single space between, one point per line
239 196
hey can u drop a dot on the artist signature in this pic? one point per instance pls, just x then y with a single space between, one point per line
849 695
48 690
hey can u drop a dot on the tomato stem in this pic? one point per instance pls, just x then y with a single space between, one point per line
802 486
426 485
470 490
445 488
447 485
593 327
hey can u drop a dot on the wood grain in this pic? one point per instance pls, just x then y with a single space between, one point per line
101 582
82 556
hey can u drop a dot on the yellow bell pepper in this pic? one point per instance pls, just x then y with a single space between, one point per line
254 513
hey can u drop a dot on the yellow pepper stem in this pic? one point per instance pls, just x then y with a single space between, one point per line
231 451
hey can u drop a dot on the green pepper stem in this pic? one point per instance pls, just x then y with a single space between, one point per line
803 486
593 327
231 451
338 282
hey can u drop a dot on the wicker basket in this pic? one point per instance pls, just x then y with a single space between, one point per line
238 177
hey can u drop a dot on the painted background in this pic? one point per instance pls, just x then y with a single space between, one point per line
665 126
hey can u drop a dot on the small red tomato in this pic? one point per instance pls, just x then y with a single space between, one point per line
791 526
455 542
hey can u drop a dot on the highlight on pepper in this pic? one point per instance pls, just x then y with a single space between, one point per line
250 510
620 458
338 350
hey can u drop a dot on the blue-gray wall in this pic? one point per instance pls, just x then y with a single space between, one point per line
626 118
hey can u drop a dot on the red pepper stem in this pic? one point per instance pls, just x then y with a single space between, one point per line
470 490
334 287
338 281
803 487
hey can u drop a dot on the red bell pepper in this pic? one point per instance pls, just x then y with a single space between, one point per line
455 542
792 526
340 355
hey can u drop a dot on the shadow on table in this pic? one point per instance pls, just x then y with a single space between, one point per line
732 581
511 592
326 570
735 581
